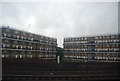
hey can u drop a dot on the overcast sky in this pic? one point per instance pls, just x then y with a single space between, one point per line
64 19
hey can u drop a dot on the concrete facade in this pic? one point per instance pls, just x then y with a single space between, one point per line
105 47
22 44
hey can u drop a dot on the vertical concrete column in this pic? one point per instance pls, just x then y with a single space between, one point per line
58 59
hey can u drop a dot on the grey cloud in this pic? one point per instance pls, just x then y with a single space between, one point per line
64 19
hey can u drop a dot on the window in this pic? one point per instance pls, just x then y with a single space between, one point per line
16 32
14 36
31 48
96 37
15 42
21 47
7 30
17 37
39 56
30 35
85 46
100 41
31 39
5 51
29 52
100 37
117 36
6 41
106 49
21 56
103 41
109 40
4 35
85 38
24 33
117 45
104 37
16 56
7 56
107 37
7 45
8 35
13 46
29 56
21 37
3 45
81 38
96 45
3 56
108 45
70 39
113 36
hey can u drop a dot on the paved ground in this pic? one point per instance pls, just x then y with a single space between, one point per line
92 71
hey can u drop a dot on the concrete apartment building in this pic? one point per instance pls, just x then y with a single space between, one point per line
105 47
22 44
